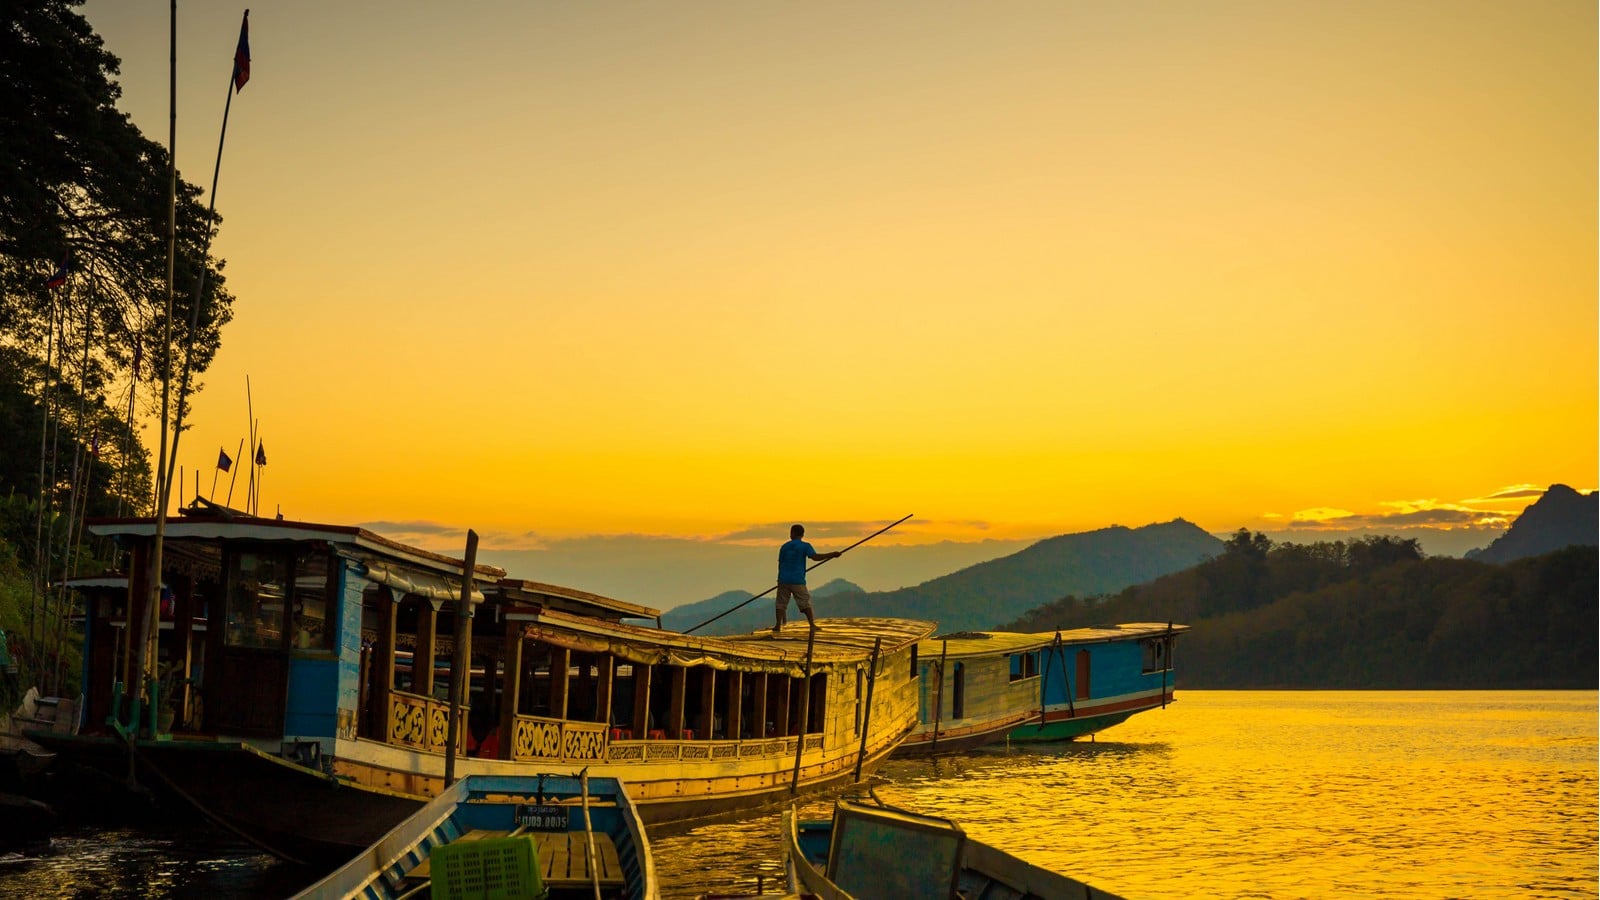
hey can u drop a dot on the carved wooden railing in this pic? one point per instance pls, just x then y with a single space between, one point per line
657 750
422 722
540 738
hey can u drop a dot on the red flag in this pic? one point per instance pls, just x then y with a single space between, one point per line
241 56
261 454
59 277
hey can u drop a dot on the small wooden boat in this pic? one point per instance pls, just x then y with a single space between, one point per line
875 852
569 835
982 687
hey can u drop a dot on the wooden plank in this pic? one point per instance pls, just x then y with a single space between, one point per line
564 859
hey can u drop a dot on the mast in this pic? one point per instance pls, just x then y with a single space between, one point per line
147 630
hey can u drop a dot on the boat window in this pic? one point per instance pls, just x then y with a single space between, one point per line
312 628
913 660
778 705
1024 665
816 713
258 585
1157 654
958 693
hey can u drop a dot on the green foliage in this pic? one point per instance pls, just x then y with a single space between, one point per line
36 661
83 184
1371 613
79 363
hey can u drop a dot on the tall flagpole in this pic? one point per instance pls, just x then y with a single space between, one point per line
234 83
233 472
152 591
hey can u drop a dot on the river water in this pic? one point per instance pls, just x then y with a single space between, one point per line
1223 794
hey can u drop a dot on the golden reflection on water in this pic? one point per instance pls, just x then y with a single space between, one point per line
1262 794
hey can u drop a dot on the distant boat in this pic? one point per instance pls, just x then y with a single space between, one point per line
872 852
508 836
307 669
1050 686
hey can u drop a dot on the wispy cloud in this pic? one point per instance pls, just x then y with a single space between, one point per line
844 529
1491 513
1513 492
413 527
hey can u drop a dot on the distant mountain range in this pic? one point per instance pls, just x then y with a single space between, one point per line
1561 518
982 596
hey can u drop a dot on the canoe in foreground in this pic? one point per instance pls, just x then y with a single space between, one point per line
485 826
864 852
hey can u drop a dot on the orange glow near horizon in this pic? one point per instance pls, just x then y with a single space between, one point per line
676 270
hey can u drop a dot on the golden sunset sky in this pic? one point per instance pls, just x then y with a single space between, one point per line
557 271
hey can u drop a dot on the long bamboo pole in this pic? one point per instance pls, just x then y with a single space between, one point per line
938 699
1166 663
588 832
233 472
250 410
805 712
461 664
808 569
866 715
41 564
147 634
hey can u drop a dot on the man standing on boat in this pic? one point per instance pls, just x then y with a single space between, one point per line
792 558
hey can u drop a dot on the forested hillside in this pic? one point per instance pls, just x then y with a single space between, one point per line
1367 614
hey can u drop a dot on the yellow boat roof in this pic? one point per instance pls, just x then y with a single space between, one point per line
997 643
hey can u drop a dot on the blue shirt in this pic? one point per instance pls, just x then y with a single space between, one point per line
792 561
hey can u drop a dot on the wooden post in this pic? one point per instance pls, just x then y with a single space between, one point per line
585 686
805 710
183 649
708 697
588 832
511 689
422 653
560 661
680 683
866 718
138 598
734 721
383 660
1166 662
758 706
364 693
938 698
461 665
641 700
602 689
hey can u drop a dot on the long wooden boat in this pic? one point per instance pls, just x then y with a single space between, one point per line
309 719
878 851
568 835
982 687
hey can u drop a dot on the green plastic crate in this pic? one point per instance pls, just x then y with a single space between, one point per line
490 869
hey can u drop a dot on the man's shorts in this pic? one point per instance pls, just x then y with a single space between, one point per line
802 596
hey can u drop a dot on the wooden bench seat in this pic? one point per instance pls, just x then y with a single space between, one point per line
563 857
